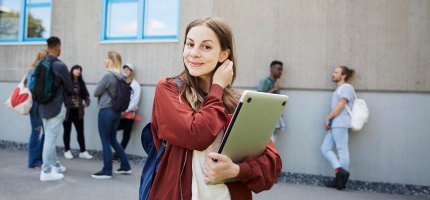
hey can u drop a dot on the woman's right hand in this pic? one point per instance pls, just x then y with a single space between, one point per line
223 76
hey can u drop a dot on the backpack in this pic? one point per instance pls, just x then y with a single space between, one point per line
150 168
121 100
42 83
359 113
152 162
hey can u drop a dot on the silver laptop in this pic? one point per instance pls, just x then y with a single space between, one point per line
252 125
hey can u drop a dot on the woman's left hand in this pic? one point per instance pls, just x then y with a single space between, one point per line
219 167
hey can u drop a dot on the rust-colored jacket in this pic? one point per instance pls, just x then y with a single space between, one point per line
186 130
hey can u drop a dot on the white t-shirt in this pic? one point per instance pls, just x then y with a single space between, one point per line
345 91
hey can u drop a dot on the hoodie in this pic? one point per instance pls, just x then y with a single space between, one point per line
106 88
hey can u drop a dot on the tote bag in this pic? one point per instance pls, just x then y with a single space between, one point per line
20 99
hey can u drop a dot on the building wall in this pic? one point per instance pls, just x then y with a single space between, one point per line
386 41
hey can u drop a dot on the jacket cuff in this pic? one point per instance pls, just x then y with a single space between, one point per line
245 172
216 91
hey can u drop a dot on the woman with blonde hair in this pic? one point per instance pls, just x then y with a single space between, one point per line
35 144
108 118
190 113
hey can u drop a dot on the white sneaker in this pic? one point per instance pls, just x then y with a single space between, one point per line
51 176
68 154
85 155
59 168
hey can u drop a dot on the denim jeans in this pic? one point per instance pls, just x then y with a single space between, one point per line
35 143
108 122
336 137
53 127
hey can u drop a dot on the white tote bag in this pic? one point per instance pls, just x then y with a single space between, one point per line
20 99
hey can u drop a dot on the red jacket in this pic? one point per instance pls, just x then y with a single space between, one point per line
186 130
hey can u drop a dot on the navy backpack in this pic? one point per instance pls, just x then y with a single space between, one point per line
151 164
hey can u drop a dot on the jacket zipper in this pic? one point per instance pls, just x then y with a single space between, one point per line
180 176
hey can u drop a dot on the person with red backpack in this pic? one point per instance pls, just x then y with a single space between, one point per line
49 82
113 95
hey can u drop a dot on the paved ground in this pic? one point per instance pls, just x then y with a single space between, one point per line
17 182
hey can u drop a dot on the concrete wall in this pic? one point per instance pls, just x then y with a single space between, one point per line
393 146
387 41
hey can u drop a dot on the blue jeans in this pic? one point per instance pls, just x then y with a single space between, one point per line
108 122
336 137
52 127
35 143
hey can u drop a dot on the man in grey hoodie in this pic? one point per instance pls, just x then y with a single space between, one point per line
53 113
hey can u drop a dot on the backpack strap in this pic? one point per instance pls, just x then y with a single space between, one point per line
346 106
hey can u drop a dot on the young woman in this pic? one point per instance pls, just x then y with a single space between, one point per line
75 104
190 112
35 144
108 118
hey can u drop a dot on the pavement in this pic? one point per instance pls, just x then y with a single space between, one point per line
18 182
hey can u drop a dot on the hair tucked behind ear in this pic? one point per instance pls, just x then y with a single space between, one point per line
190 88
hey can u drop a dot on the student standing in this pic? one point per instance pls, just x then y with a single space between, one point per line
108 118
337 125
75 104
191 116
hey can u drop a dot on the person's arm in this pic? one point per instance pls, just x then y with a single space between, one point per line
86 96
102 85
274 88
63 73
257 173
335 112
178 124
134 102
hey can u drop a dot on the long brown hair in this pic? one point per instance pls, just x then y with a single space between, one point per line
190 88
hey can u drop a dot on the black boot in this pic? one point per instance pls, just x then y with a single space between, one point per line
342 178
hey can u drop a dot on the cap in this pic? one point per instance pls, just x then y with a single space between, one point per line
129 65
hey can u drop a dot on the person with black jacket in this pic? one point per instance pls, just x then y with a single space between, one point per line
75 104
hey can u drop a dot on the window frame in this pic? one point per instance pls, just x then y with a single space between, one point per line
23 26
140 35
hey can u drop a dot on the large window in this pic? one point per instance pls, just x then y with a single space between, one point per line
25 20
140 19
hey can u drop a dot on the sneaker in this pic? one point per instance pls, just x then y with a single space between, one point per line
51 176
59 168
122 171
68 155
85 155
343 179
100 175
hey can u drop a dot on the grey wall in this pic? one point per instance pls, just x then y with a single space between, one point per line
387 41
393 146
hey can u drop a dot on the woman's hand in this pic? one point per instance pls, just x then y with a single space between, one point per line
219 167
224 74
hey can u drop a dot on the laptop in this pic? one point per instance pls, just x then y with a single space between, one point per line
252 124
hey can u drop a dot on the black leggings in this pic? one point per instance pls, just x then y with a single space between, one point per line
79 126
126 125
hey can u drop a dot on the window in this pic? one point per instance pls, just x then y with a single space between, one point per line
140 19
25 20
